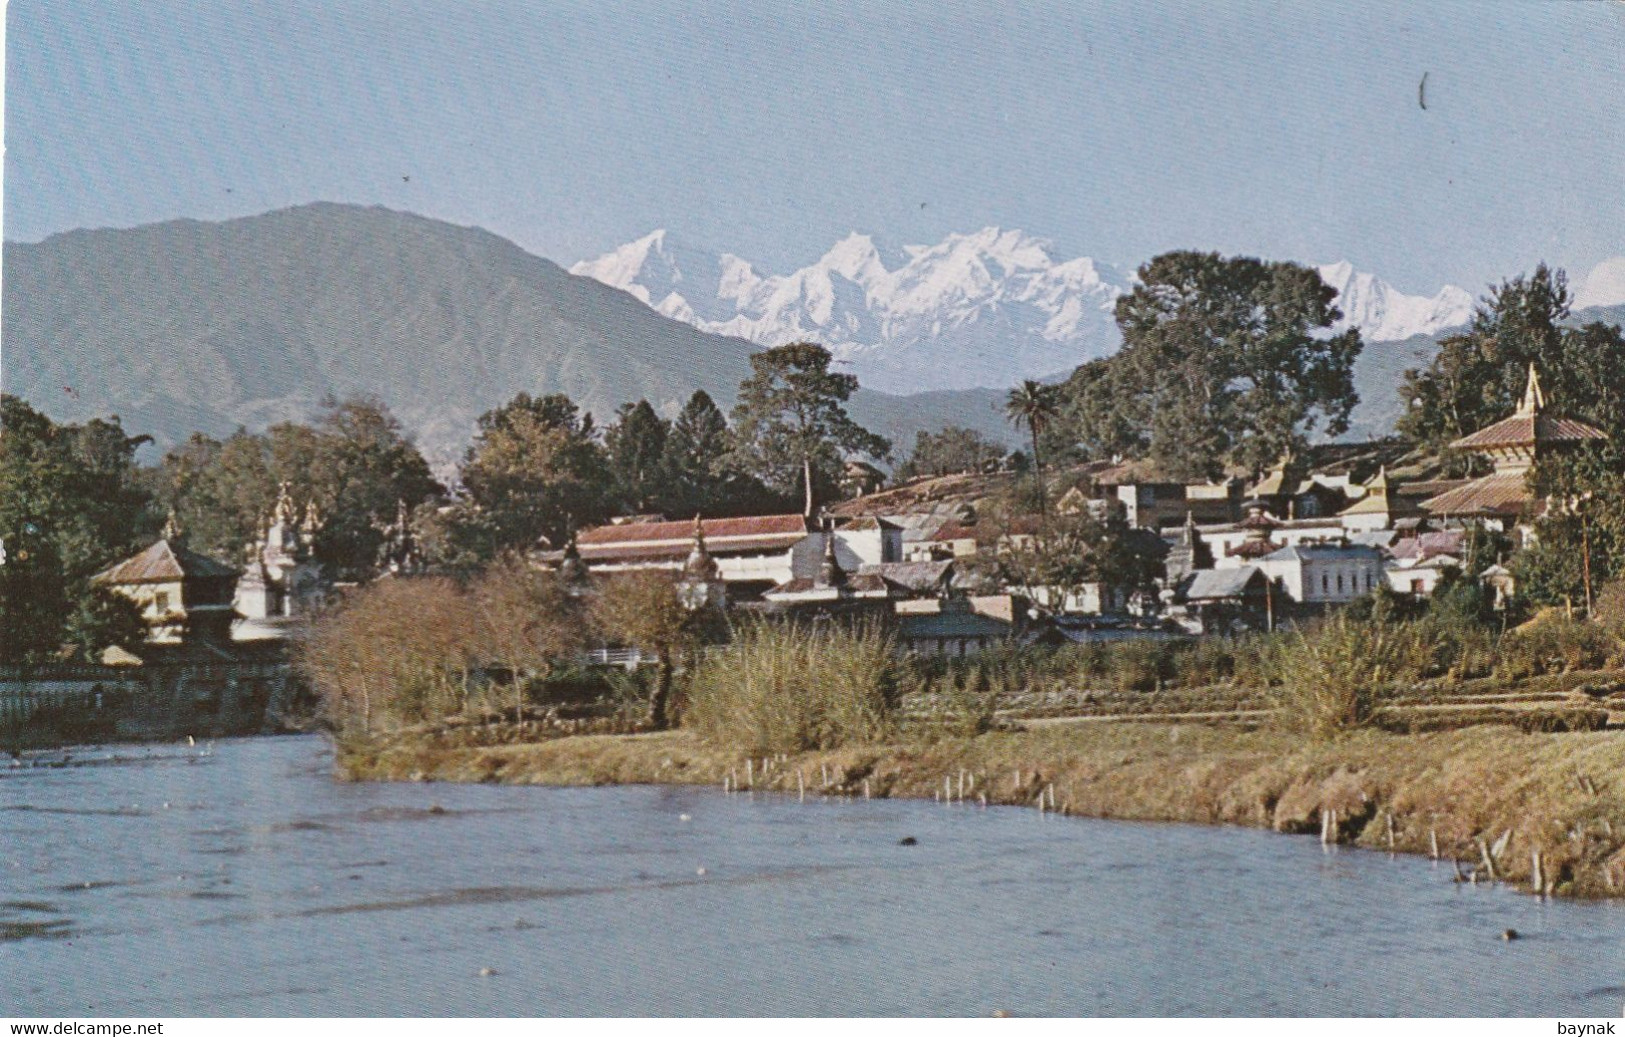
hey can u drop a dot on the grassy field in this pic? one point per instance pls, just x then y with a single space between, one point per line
1502 801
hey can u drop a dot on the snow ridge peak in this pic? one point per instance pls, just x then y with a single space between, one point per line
986 308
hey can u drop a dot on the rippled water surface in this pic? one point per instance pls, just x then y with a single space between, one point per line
240 879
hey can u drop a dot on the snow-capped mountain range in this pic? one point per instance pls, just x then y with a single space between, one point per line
974 310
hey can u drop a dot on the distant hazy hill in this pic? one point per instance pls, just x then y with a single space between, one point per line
187 326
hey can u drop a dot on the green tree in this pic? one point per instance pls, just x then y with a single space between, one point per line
100 617
702 474
790 425
70 504
1579 535
1093 423
348 470
1034 405
354 466
1478 378
698 450
34 599
636 445
536 469
222 493
453 537
952 449
1224 361
1058 556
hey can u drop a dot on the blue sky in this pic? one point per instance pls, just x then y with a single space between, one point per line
1288 130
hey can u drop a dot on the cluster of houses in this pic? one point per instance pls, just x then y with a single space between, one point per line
1236 555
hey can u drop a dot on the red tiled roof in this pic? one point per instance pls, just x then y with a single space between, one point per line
1498 494
678 550
1527 430
1430 545
162 563
953 529
1255 548
717 529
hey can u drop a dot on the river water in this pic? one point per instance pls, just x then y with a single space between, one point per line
240 879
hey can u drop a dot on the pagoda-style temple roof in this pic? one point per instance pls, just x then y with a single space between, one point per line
1512 444
1528 430
1528 426
165 562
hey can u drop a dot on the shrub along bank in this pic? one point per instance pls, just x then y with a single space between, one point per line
1348 734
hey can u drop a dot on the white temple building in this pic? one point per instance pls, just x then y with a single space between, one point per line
281 583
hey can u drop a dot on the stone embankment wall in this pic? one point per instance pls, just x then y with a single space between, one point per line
43 706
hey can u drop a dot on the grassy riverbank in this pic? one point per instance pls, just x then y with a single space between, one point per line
1558 795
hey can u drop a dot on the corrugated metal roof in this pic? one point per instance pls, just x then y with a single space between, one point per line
1422 489
1378 538
162 563
860 584
1302 552
1212 584
1426 545
919 577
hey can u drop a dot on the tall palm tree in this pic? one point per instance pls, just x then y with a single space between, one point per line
1034 405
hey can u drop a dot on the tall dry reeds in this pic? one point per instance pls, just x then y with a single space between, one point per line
1333 677
785 688
1553 643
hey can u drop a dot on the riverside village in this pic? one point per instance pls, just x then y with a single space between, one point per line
991 558
576 511
751 598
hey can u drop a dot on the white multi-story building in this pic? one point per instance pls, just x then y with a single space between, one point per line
1324 574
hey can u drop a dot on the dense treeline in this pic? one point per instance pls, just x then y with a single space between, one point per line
73 500
415 652
348 471
1226 363
401 652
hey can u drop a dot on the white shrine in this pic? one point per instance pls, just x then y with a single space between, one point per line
281 582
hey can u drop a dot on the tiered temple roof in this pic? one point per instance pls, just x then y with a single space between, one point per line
1513 445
